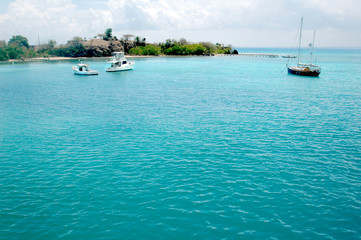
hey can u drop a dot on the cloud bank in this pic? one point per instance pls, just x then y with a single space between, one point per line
236 22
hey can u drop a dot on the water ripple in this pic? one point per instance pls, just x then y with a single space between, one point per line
178 153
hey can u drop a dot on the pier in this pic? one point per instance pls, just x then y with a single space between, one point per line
267 55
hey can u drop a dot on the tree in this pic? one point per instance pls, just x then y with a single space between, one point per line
3 54
77 39
183 41
211 48
77 50
170 43
195 49
19 40
30 53
108 34
15 52
145 50
139 42
51 43
151 50
136 51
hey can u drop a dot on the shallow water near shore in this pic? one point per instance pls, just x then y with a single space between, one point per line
181 148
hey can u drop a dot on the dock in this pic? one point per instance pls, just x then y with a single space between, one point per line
266 55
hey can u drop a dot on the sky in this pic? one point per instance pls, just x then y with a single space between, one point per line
240 23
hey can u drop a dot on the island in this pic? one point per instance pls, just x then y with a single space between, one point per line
103 44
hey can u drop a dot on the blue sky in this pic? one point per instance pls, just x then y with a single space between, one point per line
242 23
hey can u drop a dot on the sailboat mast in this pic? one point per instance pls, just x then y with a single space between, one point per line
299 41
313 44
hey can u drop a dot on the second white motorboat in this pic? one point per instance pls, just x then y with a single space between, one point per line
119 63
83 69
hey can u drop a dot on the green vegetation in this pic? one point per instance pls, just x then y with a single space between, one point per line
182 47
77 39
103 44
20 41
11 52
73 50
138 42
108 34
77 50
3 54
146 50
179 48
17 48
189 49
51 44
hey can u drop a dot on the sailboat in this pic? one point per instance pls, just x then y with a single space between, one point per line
305 69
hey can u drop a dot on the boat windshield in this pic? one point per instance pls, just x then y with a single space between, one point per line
118 54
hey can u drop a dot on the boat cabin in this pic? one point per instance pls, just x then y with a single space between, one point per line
82 67
118 55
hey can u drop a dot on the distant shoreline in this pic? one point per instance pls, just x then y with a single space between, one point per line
54 59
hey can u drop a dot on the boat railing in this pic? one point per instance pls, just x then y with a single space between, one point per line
308 65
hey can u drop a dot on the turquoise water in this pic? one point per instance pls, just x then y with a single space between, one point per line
181 148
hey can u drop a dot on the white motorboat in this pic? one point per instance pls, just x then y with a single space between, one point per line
119 63
83 69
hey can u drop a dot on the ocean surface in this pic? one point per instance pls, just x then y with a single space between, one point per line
182 148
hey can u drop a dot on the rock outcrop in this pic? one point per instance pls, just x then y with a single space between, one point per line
100 47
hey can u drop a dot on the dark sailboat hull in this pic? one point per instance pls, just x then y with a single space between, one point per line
308 73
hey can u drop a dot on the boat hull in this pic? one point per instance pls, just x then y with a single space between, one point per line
121 68
307 73
85 73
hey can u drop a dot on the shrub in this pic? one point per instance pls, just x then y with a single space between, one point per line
136 51
147 50
3 54
15 52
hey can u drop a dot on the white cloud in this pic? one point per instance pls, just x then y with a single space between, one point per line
33 17
246 22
